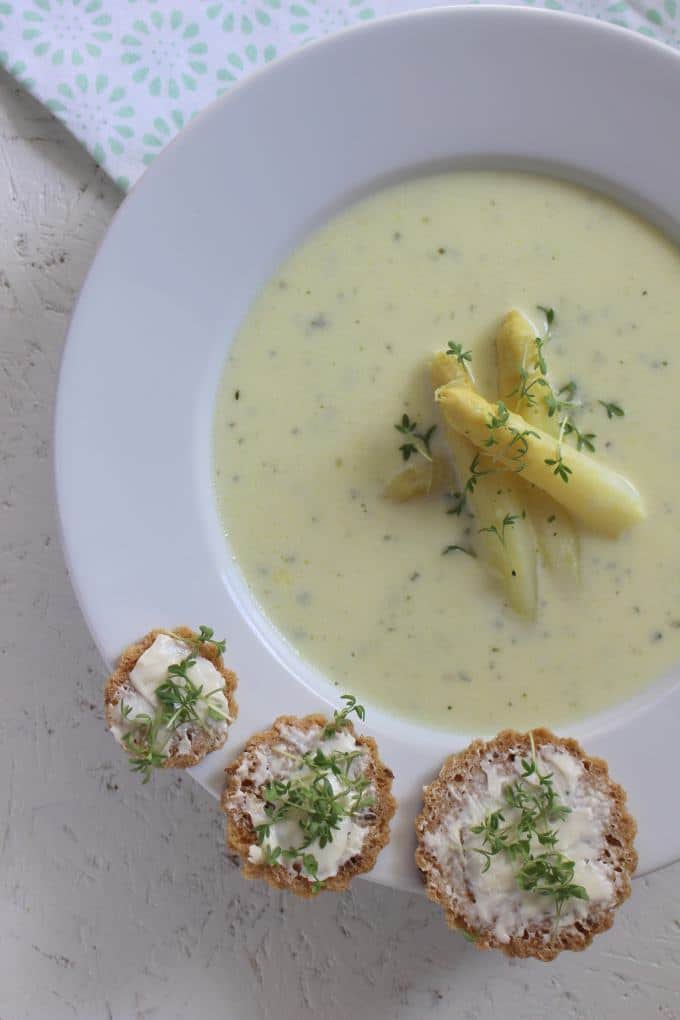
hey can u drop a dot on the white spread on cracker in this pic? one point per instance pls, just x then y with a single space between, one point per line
283 760
498 902
149 672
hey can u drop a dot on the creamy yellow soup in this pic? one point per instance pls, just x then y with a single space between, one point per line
333 352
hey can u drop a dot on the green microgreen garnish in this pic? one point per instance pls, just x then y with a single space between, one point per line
456 351
326 788
613 410
460 501
557 403
522 441
409 428
140 742
508 521
179 697
553 404
523 391
205 636
530 839
475 474
584 440
549 318
341 719
458 548
540 359
497 421
560 468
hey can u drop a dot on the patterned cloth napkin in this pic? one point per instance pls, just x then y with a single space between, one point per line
126 75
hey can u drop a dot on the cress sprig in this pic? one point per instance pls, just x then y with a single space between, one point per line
140 742
524 389
179 697
326 790
205 636
549 318
584 440
497 421
557 463
613 410
476 472
459 548
530 840
341 718
493 529
409 428
556 403
462 357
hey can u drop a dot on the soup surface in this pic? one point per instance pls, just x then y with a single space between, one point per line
335 349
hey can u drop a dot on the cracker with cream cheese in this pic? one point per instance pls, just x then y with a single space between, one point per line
486 893
130 697
280 791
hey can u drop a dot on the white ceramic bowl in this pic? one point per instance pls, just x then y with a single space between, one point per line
193 242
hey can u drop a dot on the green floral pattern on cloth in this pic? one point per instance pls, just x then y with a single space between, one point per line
60 31
126 75
166 54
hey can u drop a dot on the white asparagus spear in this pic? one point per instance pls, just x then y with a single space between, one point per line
516 352
594 494
510 550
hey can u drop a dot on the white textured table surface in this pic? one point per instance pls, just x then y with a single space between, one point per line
117 900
